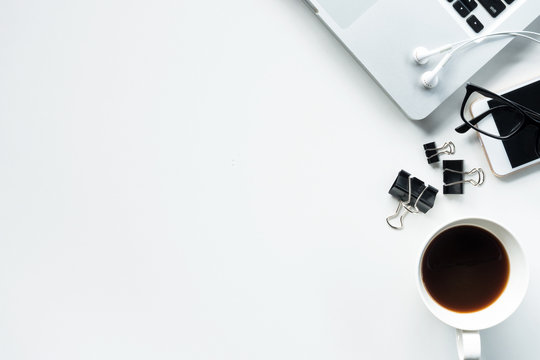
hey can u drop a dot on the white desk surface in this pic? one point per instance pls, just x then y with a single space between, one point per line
208 180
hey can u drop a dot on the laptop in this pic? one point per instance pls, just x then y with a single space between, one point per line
382 34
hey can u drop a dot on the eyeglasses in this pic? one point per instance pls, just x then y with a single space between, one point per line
513 117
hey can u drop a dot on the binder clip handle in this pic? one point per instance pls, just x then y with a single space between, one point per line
409 209
480 176
454 177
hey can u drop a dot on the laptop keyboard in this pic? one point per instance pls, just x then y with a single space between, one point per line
465 9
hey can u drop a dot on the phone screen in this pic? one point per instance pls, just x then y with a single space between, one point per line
521 148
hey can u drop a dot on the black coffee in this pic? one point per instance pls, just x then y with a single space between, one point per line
465 268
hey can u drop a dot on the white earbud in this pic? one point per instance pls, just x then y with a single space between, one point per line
430 79
421 55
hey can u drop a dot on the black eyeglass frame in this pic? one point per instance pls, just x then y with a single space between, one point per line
529 116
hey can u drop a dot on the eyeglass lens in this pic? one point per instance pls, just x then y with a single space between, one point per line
507 118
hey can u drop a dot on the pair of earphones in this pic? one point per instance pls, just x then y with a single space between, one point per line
421 55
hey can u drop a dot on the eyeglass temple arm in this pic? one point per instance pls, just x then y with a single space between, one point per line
463 128
531 113
523 108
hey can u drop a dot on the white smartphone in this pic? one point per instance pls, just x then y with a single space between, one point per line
519 152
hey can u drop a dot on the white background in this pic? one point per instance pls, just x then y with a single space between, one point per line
208 180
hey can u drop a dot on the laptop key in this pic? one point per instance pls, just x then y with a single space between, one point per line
471 4
493 7
461 9
508 1
475 24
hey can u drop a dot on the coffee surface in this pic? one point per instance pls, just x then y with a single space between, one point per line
465 268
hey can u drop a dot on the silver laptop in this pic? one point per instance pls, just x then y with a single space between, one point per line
382 34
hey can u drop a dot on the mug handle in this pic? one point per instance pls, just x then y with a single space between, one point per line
468 344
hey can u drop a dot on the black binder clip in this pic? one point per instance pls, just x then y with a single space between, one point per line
433 152
413 196
453 177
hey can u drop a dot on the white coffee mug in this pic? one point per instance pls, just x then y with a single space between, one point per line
468 324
